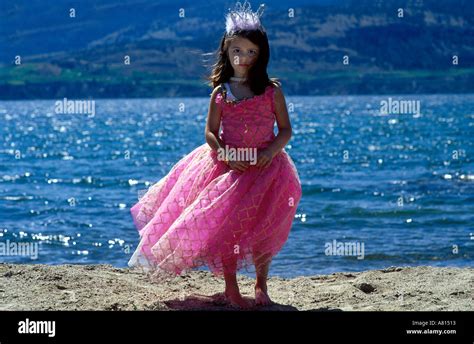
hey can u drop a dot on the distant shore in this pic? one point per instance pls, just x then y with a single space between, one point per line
34 81
103 287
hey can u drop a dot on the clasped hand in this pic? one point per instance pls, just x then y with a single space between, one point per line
264 159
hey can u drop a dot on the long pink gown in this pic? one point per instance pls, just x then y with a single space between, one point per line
202 213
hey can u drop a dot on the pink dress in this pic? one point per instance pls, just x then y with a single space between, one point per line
202 213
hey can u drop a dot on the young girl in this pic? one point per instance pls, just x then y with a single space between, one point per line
229 203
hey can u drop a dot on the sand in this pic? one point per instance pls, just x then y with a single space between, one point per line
104 287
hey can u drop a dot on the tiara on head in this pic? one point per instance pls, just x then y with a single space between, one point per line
242 18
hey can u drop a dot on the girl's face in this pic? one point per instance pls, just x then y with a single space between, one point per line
242 54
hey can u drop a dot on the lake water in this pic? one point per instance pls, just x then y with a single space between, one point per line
398 186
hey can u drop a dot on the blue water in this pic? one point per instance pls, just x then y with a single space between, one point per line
401 184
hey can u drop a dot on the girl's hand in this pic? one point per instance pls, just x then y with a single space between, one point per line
264 158
240 166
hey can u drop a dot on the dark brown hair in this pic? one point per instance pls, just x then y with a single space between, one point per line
258 78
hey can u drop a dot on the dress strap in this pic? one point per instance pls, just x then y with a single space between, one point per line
228 91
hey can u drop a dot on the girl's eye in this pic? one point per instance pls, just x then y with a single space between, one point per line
235 50
252 52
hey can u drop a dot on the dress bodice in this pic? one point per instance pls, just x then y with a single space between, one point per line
247 122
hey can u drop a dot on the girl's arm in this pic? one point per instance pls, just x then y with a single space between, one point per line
283 121
212 132
214 122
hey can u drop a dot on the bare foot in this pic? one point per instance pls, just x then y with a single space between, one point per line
236 300
261 297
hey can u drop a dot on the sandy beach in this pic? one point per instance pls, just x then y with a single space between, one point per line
104 287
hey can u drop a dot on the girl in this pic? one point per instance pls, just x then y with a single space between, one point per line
218 206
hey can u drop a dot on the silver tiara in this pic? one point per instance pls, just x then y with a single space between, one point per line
242 18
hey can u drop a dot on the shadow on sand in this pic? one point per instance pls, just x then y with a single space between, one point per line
217 302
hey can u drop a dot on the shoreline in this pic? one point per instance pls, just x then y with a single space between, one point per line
104 287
